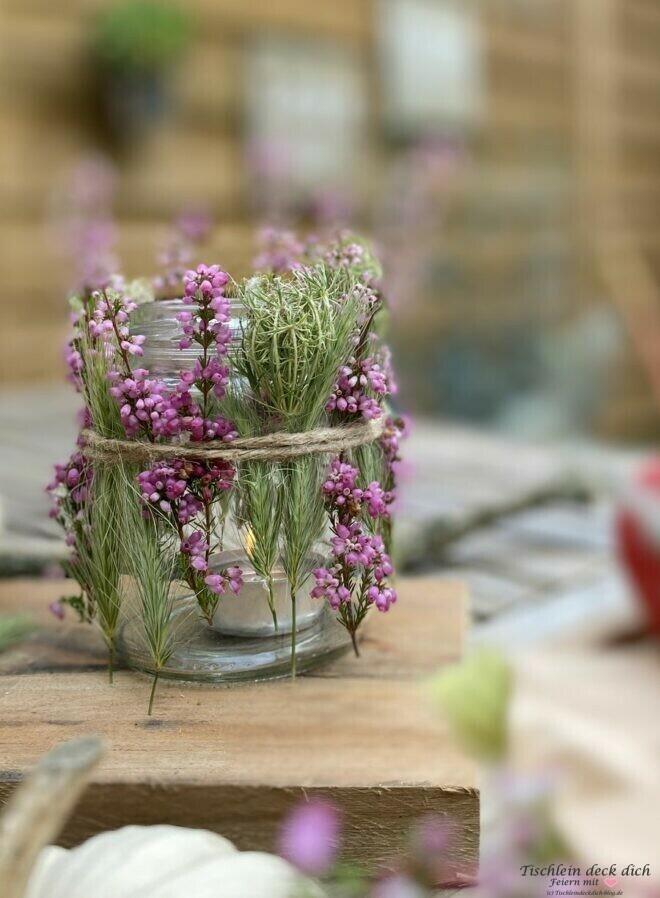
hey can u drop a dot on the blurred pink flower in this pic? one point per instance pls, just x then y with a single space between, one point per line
399 885
310 837
57 608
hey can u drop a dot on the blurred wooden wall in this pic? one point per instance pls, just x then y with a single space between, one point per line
531 157
197 156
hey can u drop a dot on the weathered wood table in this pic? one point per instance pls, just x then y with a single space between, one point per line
361 731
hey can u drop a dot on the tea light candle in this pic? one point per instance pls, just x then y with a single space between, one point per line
249 612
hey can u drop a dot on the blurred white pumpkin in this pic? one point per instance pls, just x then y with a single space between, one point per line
163 862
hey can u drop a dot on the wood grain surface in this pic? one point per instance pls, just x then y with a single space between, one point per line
361 731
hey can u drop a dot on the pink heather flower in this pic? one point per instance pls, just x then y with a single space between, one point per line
210 478
387 368
230 578
178 488
328 587
189 230
195 329
355 381
186 321
346 255
196 547
342 493
141 401
395 430
110 320
353 545
71 483
381 596
339 486
207 280
57 609
74 364
279 251
365 295
218 429
195 224
208 326
146 404
310 837
69 490
376 500
163 483
188 507
214 372
371 374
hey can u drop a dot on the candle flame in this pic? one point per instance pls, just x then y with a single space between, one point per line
249 541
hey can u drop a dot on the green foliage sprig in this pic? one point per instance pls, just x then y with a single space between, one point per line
97 524
14 629
150 564
297 333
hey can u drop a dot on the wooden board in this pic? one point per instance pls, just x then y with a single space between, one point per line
361 731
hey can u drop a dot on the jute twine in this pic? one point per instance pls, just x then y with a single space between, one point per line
269 447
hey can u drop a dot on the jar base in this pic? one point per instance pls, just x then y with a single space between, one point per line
202 654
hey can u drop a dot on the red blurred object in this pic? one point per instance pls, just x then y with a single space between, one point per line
638 539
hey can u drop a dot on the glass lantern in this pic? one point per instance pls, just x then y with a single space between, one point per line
250 634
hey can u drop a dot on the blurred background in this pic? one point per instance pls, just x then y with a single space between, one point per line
504 155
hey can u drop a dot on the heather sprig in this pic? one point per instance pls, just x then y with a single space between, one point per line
186 496
357 576
85 505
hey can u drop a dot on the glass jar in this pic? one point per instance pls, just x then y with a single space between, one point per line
247 639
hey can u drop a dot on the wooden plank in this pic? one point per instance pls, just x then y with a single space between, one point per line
231 245
209 84
536 48
174 166
419 650
526 114
170 167
45 66
33 154
641 17
233 760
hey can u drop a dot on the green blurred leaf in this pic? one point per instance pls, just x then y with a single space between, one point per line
142 35
14 629
475 696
